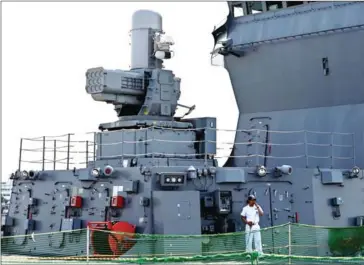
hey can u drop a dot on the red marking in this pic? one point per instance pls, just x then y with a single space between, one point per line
76 201
117 201
108 170
296 216
122 241
99 238
269 149
114 241
99 225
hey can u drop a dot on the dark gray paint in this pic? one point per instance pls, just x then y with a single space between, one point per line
279 81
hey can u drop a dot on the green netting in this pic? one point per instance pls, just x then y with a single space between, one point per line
285 244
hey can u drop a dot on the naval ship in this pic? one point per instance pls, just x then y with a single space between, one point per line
297 71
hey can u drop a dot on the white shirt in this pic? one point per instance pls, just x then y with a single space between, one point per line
251 214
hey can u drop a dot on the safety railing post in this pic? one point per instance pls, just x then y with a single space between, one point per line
68 151
94 151
20 153
87 244
306 147
257 155
205 144
152 145
289 242
43 157
332 150
86 153
354 152
54 154
122 146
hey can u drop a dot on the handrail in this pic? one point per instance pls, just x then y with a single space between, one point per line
80 149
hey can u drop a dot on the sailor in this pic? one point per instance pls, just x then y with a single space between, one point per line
250 216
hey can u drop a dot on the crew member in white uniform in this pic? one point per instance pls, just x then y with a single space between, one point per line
250 216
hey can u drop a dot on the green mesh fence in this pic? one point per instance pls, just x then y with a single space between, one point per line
285 244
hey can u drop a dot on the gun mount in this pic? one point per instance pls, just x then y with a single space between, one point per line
146 92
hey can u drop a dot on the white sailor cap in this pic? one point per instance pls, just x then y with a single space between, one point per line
251 197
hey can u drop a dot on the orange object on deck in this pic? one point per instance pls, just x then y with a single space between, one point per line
122 240
111 239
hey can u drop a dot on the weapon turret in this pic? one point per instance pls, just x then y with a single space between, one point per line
146 91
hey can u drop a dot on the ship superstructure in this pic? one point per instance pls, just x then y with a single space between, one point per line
297 74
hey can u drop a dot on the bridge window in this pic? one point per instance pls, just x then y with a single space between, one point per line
273 5
294 3
238 10
254 7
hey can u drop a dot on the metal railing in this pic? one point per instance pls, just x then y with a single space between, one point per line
57 152
70 150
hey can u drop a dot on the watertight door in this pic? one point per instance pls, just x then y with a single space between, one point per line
275 199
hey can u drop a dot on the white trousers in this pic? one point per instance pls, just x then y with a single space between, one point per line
250 234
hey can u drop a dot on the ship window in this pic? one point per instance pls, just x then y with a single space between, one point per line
294 3
273 5
254 7
238 11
